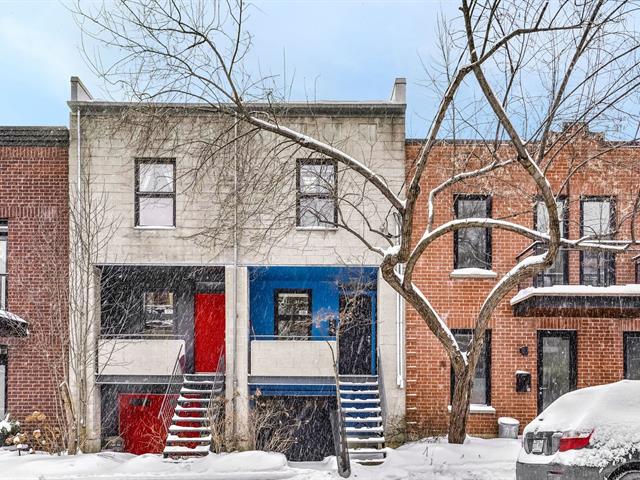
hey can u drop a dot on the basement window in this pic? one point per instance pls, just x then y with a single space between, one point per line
155 186
293 314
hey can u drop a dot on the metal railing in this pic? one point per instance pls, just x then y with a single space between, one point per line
339 431
167 408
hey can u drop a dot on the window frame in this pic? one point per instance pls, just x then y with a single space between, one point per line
277 316
4 360
488 238
625 343
4 293
610 258
487 356
299 195
565 227
138 194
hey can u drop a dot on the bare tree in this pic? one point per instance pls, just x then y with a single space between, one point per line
582 55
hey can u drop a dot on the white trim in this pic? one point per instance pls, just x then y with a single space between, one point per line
478 408
472 273
153 227
630 290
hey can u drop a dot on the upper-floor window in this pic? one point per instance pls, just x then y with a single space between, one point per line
293 313
317 184
597 221
472 246
3 264
558 273
481 391
155 193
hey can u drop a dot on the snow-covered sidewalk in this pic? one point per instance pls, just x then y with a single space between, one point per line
477 459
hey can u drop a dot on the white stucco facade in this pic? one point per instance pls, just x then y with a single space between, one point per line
105 149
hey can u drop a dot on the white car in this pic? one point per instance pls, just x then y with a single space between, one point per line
591 433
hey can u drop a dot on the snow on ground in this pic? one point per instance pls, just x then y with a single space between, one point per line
477 459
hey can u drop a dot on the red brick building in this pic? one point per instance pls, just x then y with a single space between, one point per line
559 334
34 255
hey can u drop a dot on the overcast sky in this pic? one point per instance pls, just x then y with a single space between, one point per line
334 49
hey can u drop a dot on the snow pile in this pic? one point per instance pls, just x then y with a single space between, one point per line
611 411
428 459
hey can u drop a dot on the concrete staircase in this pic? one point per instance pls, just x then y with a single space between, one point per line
190 433
362 417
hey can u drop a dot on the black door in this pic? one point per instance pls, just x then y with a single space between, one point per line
557 369
355 335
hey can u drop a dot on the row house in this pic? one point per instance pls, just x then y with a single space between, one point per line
33 270
212 292
575 325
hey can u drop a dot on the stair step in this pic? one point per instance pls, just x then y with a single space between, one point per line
364 430
179 418
363 419
195 390
180 408
359 400
369 440
177 439
181 450
358 384
182 399
358 392
361 409
178 428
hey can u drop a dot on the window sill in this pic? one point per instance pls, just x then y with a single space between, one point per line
477 408
472 273
149 227
316 229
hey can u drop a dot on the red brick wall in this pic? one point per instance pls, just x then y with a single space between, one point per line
33 198
599 340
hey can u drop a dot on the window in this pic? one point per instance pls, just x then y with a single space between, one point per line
3 264
317 186
158 310
558 273
631 341
293 313
481 393
472 246
155 193
3 380
597 221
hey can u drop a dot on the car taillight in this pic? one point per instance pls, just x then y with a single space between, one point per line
573 440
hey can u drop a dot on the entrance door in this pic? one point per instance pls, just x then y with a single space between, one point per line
208 330
355 335
557 370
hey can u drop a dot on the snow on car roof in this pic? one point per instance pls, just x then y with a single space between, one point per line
612 411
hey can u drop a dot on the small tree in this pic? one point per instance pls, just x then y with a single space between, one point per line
586 55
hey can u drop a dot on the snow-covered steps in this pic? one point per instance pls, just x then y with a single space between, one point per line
190 431
362 414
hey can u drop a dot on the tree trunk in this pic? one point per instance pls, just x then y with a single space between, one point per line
72 432
460 405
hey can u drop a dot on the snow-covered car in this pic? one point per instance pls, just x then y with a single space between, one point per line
591 433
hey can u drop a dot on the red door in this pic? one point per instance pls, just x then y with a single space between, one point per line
209 330
140 428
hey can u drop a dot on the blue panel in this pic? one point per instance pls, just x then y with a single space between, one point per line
325 290
301 390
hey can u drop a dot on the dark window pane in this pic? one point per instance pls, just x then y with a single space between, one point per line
293 304
471 243
155 177
293 314
155 211
479 393
555 274
317 212
632 356
597 269
158 309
